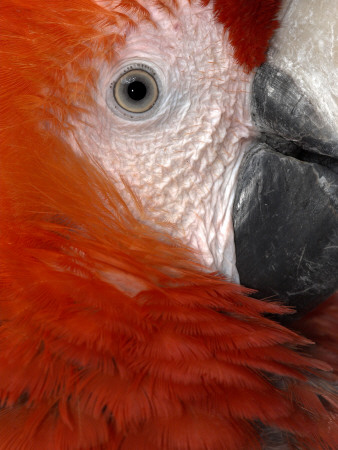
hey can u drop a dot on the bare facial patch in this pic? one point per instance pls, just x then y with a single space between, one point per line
180 157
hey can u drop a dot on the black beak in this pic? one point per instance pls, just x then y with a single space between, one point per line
286 205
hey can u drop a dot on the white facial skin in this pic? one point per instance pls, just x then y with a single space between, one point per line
182 158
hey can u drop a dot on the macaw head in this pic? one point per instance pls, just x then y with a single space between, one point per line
157 155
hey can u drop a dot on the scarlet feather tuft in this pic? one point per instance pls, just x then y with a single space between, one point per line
111 335
248 21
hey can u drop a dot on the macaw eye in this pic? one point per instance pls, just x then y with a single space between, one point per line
136 91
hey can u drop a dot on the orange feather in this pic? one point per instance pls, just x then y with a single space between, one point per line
112 336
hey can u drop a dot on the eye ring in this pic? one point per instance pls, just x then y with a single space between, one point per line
135 90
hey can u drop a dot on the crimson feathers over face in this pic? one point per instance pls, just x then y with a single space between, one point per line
115 333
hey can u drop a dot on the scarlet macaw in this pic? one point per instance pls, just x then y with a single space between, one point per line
140 184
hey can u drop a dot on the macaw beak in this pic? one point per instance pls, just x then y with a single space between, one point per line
286 202
285 209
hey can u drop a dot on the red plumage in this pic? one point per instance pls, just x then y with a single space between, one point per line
252 21
112 336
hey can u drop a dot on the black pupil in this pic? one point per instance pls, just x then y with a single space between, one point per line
137 90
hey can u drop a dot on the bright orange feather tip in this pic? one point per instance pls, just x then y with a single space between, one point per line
111 336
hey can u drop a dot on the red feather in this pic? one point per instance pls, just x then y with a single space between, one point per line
248 21
112 336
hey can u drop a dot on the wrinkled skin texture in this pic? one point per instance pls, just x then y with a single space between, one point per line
182 159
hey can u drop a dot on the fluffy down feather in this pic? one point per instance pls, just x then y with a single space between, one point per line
112 336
